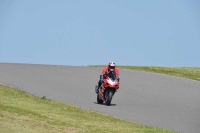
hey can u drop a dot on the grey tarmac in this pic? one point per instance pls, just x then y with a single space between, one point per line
146 98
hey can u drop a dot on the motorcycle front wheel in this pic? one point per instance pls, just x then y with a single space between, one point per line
108 96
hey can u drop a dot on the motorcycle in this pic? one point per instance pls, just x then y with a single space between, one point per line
107 89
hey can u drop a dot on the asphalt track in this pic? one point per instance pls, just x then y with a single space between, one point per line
147 98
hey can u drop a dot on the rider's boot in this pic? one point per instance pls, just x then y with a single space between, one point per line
96 89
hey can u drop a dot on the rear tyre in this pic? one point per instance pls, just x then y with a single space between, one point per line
99 100
109 95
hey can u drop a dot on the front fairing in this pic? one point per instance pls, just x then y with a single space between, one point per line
111 83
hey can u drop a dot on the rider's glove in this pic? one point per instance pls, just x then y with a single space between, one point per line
101 78
104 76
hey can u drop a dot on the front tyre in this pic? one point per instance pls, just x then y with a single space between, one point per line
109 95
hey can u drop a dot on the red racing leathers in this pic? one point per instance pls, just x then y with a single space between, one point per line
105 70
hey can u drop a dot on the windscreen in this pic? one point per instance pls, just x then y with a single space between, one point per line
111 75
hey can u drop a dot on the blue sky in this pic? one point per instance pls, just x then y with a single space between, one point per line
87 32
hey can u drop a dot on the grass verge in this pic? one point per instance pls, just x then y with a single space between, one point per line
189 73
20 112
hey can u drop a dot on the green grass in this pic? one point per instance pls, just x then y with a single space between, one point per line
189 73
20 112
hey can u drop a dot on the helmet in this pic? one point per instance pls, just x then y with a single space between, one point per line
111 66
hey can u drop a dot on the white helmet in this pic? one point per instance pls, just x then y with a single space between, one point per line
111 66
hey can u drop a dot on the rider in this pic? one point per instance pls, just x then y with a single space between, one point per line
110 68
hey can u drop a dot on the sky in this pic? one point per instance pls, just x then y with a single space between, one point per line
94 32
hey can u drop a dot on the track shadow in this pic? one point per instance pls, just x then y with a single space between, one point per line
105 104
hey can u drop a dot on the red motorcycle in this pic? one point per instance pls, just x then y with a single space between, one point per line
107 89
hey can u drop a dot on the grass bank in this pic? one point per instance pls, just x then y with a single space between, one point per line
189 73
20 112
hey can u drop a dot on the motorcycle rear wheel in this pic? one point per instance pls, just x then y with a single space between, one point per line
99 100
